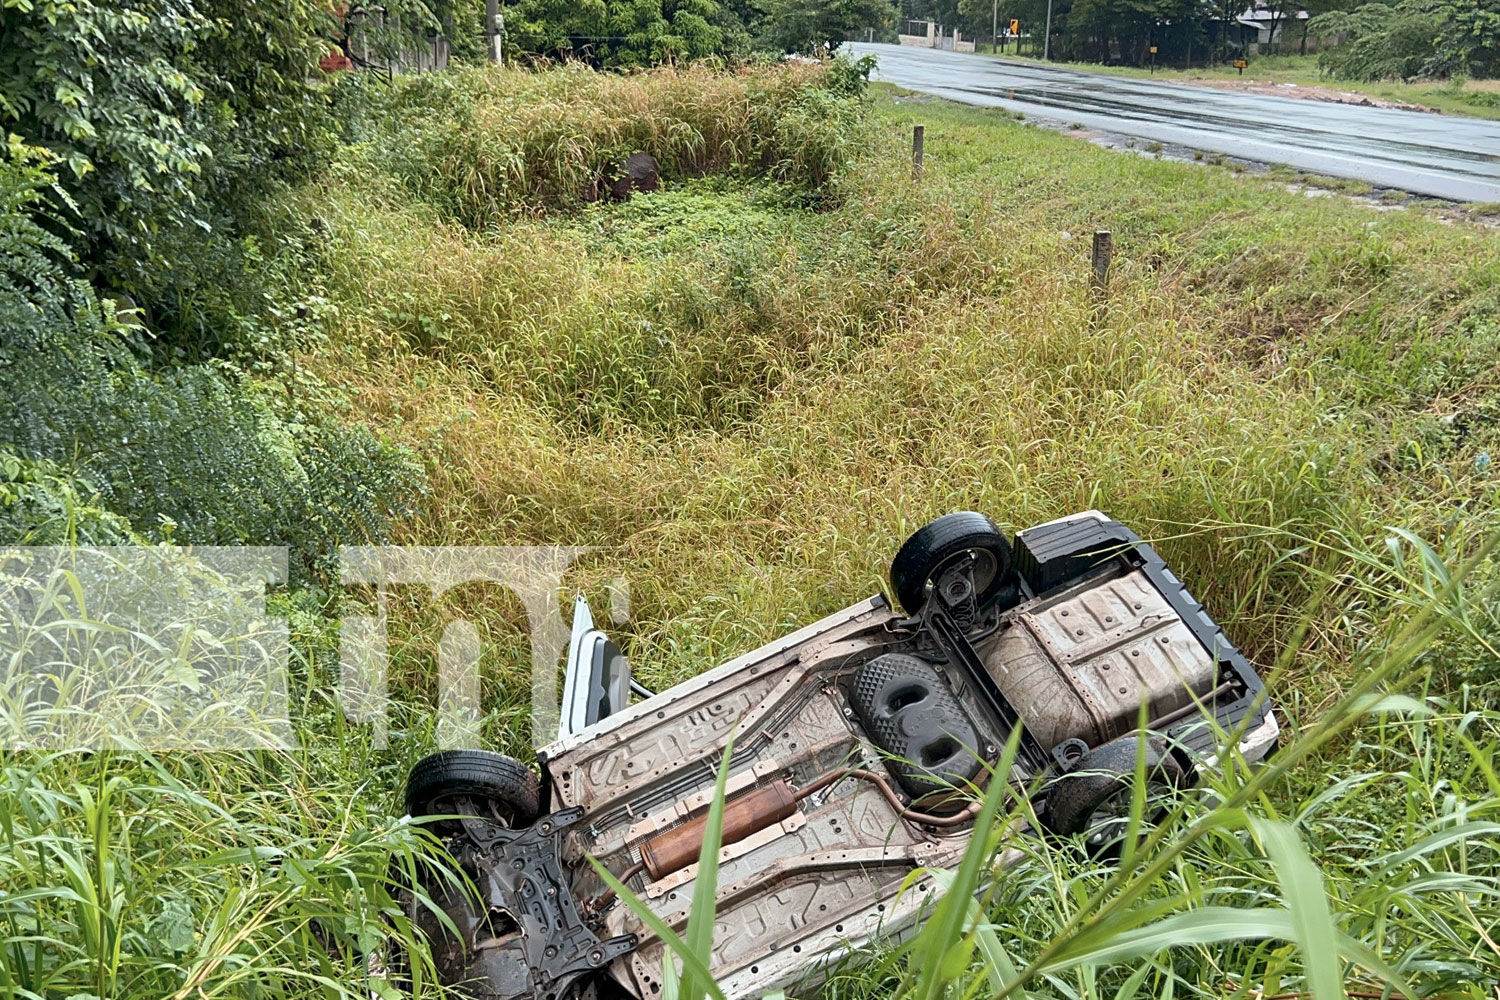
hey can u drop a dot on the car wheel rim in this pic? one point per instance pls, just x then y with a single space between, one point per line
983 571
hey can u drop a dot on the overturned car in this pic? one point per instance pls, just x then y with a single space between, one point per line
859 745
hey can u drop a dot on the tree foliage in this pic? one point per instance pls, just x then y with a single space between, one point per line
619 33
171 121
1136 24
160 108
633 33
804 25
1412 38
113 164
101 87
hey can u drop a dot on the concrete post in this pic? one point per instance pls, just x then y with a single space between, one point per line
492 29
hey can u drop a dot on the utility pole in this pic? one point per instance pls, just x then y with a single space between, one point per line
493 28
994 27
1047 36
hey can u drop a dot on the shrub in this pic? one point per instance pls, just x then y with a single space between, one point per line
194 451
483 144
1435 38
40 504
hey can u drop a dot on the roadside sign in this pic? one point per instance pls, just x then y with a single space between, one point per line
1153 50
1240 64
1015 26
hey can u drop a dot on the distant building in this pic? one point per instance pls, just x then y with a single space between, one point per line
930 35
1252 31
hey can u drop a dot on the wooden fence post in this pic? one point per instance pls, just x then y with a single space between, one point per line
1104 249
916 152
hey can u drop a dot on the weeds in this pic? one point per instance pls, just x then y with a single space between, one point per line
130 876
481 145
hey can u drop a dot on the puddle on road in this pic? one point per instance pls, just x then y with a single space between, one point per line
1193 112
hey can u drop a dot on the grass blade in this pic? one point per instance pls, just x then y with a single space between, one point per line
700 926
943 943
1302 888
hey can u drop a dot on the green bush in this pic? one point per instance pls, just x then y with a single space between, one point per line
170 122
1412 38
40 504
195 449
196 453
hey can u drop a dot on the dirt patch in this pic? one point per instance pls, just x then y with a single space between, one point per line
1306 92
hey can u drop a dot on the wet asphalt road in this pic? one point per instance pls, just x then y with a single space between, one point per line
1436 155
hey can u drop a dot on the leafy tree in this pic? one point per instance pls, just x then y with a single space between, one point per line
1413 38
977 17
623 33
648 31
806 25
1315 8
171 120
102 86
1468 39
1135 24
971 17
551 27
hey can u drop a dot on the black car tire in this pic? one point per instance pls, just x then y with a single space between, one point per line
501 787
1074 800
934 545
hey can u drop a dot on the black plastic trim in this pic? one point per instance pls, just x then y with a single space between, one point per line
950 639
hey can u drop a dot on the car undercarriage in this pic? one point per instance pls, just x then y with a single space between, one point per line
861 745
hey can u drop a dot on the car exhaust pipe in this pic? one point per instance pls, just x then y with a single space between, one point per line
745 814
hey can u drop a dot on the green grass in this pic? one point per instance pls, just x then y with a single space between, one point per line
1475 98
748 388
1344 185
205 875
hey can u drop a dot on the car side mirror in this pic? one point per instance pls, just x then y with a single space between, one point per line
596 682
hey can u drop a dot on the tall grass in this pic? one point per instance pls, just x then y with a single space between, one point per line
484 144
184 873
225 875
